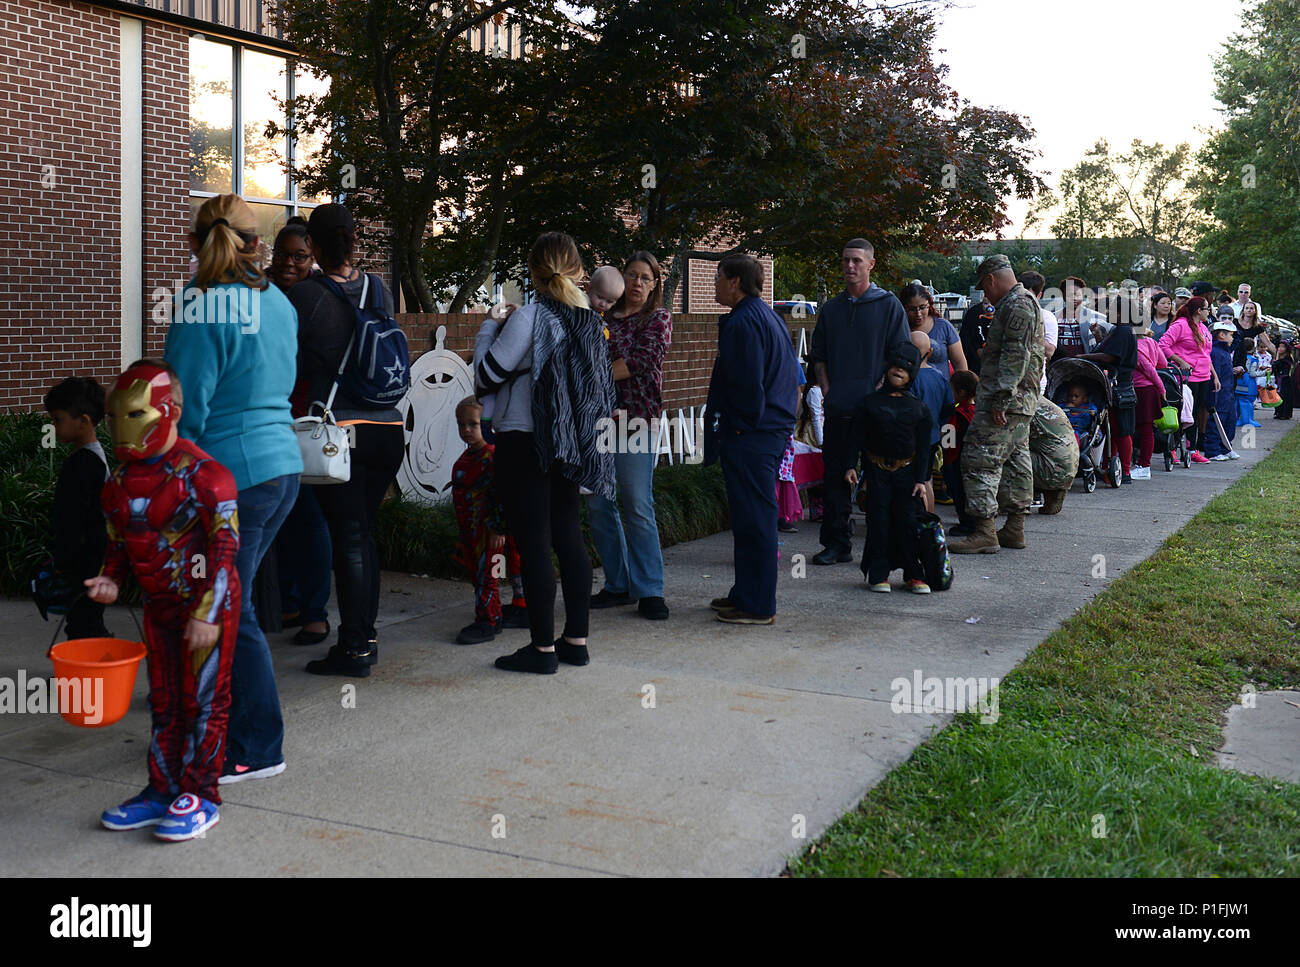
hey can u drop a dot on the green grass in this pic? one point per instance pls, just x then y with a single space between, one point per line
1102 720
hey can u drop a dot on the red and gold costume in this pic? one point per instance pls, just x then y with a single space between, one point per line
478 512
172 522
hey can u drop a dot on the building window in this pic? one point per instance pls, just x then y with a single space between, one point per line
234 93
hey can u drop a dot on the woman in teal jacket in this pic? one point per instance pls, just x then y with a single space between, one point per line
233 340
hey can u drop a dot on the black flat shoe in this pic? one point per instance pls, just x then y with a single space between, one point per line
831 557
608 599
341 661
305 637
786 528
571 654
653 608
529 659
476 633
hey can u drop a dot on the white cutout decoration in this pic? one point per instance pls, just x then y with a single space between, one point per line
439 380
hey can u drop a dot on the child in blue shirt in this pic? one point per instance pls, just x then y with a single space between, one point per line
1247 387
932 388
1081 413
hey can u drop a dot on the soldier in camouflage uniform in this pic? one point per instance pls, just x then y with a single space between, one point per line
1054 453
996 447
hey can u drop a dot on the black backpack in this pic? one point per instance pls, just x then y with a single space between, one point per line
932 547
376 366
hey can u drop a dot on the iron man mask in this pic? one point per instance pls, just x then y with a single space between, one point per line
141 412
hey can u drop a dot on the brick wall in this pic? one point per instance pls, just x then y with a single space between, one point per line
59 158
686 368
166 188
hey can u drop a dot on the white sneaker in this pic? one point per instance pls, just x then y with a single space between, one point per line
1141 473
1234 455
1220 458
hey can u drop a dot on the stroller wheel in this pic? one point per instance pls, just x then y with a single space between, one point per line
1184 454
1169 462
1114 469
1089 481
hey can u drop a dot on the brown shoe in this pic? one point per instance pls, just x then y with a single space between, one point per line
734 617
721 604
1053 501
983 541
1012 534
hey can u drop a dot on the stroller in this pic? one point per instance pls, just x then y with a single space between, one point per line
1173 444
1096 453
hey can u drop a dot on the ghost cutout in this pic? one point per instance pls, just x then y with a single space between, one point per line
439 380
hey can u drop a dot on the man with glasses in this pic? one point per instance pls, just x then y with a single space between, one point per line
1243 299
856 332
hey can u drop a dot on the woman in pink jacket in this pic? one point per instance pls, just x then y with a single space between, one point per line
1150 397
1187 343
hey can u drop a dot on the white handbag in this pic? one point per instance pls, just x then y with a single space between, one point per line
326 446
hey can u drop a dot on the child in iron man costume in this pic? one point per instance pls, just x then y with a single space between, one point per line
171 515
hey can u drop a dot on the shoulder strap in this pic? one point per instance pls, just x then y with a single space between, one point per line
334 287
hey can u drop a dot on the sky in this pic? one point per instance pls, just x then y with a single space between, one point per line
1132 68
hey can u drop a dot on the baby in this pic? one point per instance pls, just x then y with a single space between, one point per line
1080 411
604 289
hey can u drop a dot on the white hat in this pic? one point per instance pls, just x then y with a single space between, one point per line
1222 326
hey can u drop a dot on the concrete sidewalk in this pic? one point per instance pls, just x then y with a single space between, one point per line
447 766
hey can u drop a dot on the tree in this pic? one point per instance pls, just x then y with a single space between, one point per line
1250 187
1128 215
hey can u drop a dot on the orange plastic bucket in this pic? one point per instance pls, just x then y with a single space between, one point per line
98 678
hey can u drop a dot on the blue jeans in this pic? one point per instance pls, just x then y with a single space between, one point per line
304 555
628 545
256 725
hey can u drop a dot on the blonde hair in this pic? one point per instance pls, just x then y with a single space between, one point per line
556 268
222 255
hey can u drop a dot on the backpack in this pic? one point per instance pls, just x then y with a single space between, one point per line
376 370
932 548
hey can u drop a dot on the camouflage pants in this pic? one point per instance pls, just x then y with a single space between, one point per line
992 455
1053 451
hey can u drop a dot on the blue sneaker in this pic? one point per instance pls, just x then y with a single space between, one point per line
141 810
188 817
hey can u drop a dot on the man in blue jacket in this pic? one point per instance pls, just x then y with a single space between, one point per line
752 397
856 332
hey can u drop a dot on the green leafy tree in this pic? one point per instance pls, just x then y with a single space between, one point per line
1250 187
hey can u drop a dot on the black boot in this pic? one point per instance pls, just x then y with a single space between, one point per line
348 662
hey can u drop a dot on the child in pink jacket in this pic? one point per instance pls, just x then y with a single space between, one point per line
1150 397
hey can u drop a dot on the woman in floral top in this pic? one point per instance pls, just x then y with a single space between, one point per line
640 330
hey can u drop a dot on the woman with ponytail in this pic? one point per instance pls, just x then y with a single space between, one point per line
1187 344
228 342
554 390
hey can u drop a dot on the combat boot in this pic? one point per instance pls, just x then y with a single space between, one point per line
983 541
1053 501
1012 534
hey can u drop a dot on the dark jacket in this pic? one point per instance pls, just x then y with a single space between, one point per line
754 386
853 340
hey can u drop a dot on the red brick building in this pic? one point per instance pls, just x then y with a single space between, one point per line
117 119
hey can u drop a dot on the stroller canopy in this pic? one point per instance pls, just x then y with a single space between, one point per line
1063 372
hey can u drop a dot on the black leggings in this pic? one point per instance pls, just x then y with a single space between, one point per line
542 513
350 510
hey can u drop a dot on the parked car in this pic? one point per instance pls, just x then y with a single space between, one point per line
1280 329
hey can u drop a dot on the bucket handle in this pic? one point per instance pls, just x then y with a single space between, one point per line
64 617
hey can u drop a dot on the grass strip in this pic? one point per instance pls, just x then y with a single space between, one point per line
1101 760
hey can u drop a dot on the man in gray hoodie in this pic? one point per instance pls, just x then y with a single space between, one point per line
856 332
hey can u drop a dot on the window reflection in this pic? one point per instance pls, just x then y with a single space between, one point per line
264 79
212 85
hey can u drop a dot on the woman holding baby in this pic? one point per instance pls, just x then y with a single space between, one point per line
640 330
